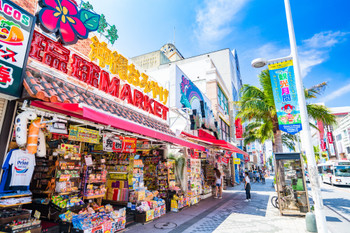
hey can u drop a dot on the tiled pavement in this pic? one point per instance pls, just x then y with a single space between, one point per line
230 214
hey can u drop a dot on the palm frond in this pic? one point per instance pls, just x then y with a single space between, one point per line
321 113
316 90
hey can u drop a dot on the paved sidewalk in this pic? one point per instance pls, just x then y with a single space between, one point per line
230 214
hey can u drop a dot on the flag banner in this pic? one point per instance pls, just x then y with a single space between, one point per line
285 96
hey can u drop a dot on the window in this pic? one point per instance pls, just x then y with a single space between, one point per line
338 137
223 102
225 130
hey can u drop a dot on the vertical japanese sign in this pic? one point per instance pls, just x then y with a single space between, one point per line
239 128
16 28
285 96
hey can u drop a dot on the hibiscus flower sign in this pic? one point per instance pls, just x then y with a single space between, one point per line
69 23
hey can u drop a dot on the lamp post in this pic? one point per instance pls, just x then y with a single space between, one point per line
305 132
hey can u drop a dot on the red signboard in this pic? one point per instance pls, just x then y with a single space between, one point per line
239 128
330 137
55 55
323 145
225 160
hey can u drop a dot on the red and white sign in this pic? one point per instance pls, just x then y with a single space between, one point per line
225 160
239 128
330 137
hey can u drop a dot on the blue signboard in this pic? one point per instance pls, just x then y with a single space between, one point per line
285 96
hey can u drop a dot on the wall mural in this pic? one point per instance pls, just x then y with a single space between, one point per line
192 98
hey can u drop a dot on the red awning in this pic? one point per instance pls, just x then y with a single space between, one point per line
104 118
214 142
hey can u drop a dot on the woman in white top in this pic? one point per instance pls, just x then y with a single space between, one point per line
247 187
218 183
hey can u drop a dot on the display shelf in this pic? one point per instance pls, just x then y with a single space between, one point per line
115 202
19 195
94 196
113 172
66 193
14 205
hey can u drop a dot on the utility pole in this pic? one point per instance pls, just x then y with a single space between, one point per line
306 132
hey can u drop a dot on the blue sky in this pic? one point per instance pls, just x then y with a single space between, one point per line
256 28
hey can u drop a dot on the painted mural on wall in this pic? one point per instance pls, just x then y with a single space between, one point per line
192 98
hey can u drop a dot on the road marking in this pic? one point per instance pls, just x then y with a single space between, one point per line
337 213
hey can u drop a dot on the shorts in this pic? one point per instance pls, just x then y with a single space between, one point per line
218 185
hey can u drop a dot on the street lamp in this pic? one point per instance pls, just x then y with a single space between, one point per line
305 132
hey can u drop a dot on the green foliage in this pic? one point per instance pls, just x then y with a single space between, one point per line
89 19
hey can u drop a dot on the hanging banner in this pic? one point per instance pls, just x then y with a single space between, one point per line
16 29
330 137
285 96
83 135
239 128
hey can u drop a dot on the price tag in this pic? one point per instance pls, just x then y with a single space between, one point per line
88 160
37 214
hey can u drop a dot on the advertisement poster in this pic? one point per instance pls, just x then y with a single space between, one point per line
16 29
113 143
225 160
285 96
83 135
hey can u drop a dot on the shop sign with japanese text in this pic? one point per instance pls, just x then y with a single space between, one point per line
83 135
107 71
16 28
113 143
285 96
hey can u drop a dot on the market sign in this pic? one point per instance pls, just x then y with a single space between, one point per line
55 55
285 96
113 143
16 28
81 134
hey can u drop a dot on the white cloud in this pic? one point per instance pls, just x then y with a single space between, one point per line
325 39
337 93
213 20
312 51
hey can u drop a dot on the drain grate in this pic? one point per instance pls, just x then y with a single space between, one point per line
165 225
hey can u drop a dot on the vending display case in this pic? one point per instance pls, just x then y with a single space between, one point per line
291 186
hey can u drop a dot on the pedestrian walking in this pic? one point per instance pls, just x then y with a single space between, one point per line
257 176
218 183
247 187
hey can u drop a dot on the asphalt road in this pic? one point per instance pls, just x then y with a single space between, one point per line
337 207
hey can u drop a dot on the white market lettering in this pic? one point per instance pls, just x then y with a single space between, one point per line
15 14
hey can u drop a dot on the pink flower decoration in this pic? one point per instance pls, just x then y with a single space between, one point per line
62 17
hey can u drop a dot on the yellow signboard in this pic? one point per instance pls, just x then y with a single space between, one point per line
83 135
237 161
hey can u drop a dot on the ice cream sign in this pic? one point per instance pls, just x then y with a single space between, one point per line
16 27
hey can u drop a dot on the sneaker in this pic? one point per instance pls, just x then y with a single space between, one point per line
249 199
215 197
246 200
220 197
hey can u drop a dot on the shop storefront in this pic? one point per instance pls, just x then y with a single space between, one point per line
89 145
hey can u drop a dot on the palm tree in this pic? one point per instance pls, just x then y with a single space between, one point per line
257 107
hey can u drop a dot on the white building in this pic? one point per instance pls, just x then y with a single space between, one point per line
217 76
